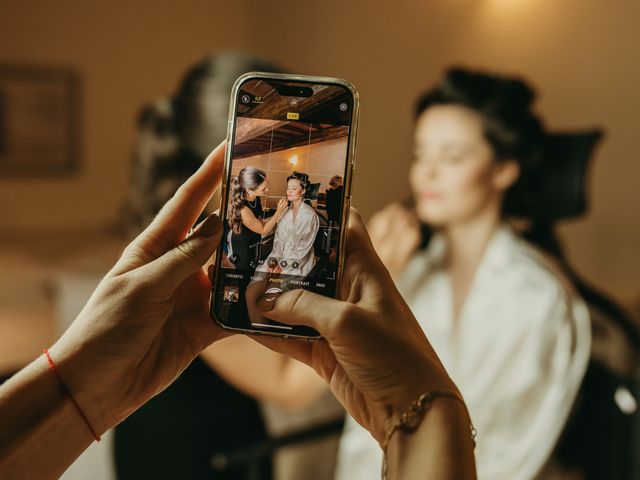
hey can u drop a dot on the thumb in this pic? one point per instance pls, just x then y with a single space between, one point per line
302 307
172 268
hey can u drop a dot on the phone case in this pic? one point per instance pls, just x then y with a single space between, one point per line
353 132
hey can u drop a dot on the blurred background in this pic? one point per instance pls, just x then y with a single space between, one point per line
61 222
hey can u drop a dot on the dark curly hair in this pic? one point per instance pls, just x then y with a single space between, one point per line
504 103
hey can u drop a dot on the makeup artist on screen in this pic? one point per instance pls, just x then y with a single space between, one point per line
245 213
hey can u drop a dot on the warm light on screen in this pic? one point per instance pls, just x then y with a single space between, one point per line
293 160
508 6
513 24
507 3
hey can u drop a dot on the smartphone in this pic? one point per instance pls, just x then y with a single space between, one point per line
286 193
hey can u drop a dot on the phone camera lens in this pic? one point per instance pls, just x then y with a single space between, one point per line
343 107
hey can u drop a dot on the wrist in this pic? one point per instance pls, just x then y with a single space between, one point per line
441 443
430 378
38 417
80 375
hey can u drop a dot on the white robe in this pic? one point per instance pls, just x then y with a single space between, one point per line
293 241
518 355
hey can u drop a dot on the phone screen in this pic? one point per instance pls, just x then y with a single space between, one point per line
285 198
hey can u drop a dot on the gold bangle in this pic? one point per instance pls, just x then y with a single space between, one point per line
410 420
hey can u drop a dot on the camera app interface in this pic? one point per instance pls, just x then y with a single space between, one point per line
284 202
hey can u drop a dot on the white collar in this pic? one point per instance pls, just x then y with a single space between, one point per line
498 253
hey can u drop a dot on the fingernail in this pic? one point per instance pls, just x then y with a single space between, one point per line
210 226
267 301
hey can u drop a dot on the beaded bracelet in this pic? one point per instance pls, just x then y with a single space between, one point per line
411 419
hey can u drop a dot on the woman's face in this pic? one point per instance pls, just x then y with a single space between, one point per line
261 191
453 175
294 190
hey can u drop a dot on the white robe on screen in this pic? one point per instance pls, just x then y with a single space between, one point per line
293 241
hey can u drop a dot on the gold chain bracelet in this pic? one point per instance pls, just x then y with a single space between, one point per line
411 419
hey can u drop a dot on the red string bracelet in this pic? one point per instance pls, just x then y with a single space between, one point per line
65 390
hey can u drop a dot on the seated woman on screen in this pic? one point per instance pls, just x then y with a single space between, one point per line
292 252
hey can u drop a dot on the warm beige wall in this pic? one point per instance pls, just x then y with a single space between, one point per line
321 161
582 55
127 53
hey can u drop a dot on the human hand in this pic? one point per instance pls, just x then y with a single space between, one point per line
373 353
275 270
282 206
149 316
395 234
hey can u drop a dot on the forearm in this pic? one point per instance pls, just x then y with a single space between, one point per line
301 386
264 374
35 416
270 224
441 447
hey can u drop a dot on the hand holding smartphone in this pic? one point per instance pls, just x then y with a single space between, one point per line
290 137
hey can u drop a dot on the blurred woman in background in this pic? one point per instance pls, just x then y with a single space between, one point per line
509 328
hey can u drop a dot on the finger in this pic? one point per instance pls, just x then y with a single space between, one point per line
318 354
297 349
172 268
379 229
180 213
302 307
357 235
191 300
